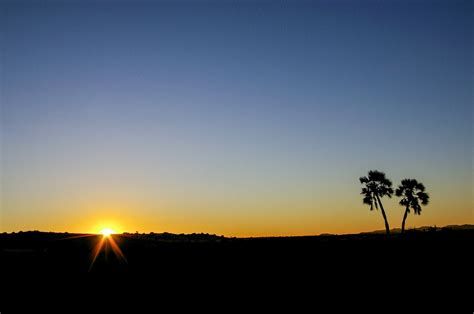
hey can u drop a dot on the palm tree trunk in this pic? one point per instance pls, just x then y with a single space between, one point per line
404 218
387 227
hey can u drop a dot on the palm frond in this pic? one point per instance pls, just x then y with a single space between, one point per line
412 193
424 197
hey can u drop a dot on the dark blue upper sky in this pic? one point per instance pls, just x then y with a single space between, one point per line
278 96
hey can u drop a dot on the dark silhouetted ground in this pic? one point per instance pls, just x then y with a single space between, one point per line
431 259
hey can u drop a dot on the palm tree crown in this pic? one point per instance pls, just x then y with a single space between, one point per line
376 184
413 195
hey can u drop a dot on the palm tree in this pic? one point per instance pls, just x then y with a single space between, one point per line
412 193
376 187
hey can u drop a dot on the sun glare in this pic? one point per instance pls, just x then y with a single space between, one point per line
106 232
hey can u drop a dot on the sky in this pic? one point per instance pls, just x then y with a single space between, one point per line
241 118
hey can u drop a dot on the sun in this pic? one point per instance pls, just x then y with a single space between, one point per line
107 232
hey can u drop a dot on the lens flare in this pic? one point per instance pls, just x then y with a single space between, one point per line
106 243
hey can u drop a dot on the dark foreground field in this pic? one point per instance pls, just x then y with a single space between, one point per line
59 253
414 263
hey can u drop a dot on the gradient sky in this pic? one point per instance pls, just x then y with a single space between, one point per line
236 117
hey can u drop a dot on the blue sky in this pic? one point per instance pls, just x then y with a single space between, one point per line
207 115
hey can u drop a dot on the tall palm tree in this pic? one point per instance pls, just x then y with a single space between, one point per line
413 196
376 186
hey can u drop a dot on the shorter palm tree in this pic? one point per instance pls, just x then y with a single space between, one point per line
413 196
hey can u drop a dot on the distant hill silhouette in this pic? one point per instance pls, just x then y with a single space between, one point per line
459 227
425 229
196 237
